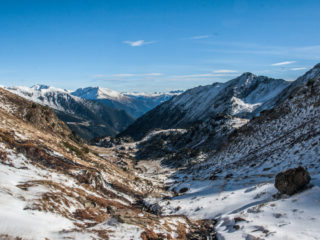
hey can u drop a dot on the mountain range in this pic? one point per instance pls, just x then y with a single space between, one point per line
93 112
238 98
136 104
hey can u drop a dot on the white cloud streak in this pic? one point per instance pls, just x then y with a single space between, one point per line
124 75
225 71
138 43
152 74
298 68
283 63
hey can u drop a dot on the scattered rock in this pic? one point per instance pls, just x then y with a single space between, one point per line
111 209
166 198
197 209
236 227
251 237
292 180
183 190
239 219
155 209
228 176
203 230
277 215
213 177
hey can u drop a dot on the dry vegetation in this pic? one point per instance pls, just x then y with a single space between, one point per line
95 188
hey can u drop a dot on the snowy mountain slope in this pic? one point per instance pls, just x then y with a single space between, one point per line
136 104
235 183
238 97
53 187
87 118
282 96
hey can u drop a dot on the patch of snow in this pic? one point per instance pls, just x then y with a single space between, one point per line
119 230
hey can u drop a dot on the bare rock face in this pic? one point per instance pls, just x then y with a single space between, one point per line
292 180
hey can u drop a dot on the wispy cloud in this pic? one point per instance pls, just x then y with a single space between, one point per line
225 71
152 74
298 68
199 37
124 75
138 43
283 63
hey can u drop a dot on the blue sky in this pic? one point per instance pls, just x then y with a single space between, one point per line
154 45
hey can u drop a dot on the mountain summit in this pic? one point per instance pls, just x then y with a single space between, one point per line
94 93
238 97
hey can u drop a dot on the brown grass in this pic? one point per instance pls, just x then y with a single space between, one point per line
92 214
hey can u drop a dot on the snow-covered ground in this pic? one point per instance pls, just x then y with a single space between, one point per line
15 220
250 212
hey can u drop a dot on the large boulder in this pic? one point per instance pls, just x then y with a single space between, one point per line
292 180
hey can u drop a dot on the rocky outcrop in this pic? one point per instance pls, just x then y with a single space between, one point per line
292 180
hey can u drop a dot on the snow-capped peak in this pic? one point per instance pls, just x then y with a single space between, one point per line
43 88
135 103
93 93
105 93
247 74
43 94
39 87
